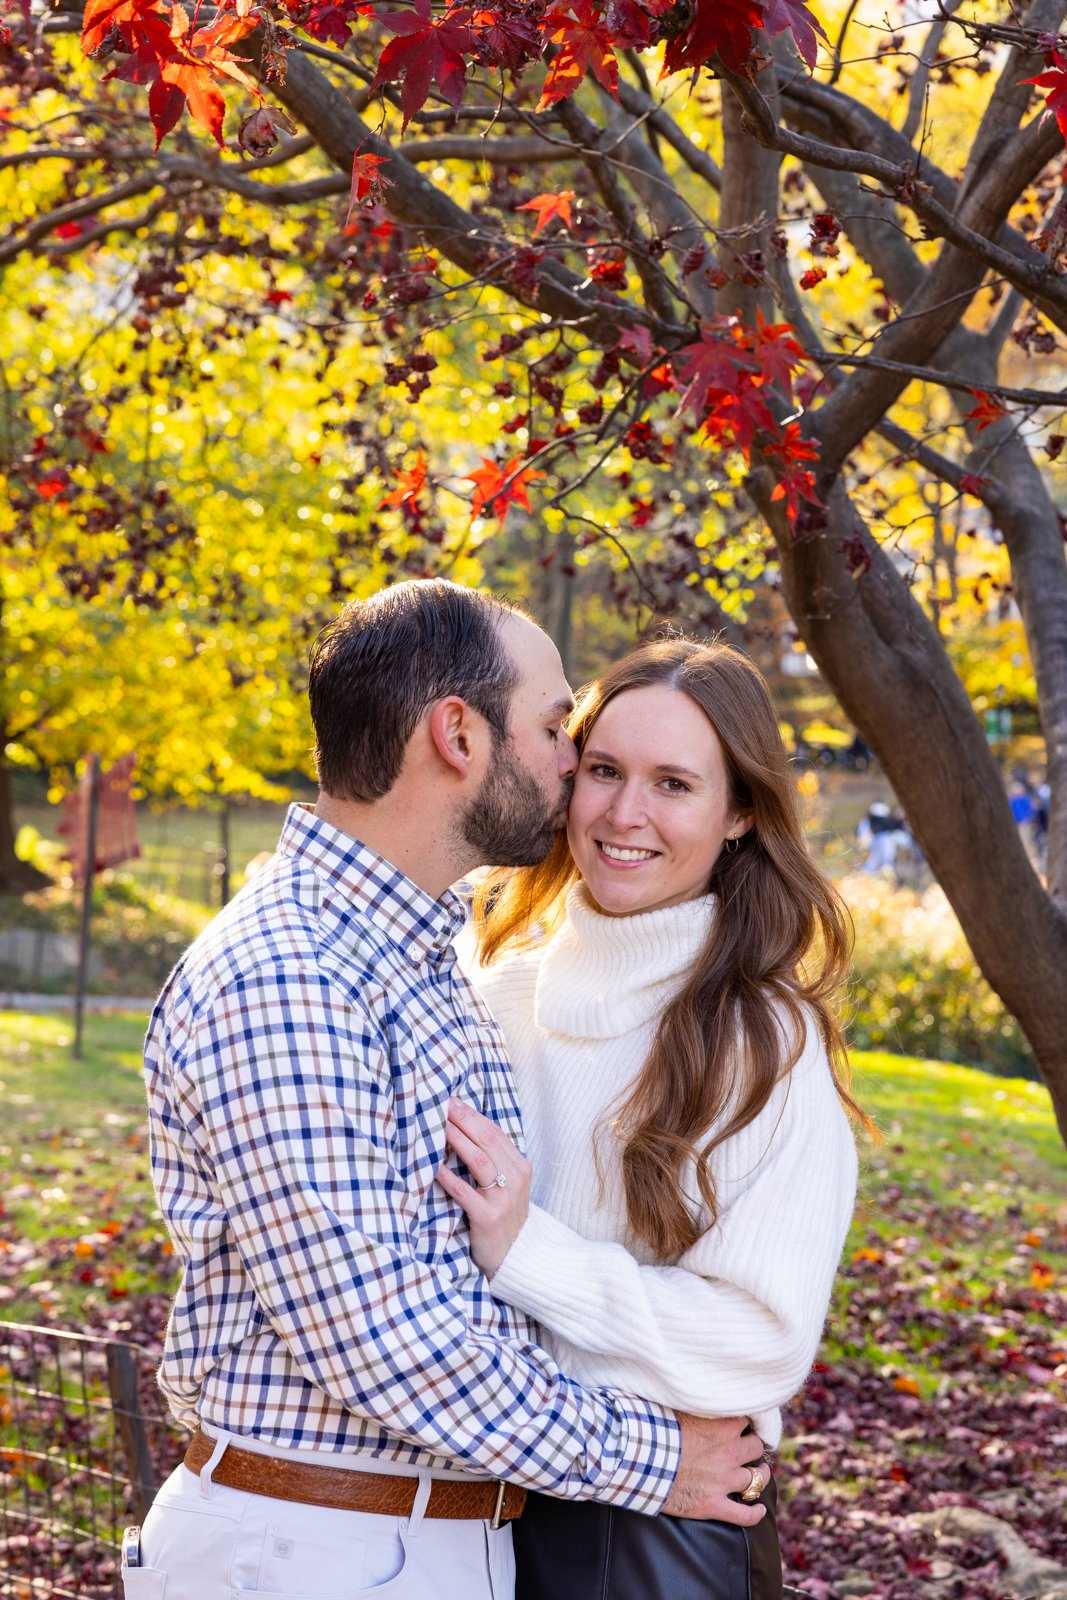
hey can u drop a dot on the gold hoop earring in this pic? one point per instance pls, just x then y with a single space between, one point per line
730 845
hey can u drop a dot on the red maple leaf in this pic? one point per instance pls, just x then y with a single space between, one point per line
720 28
795 482
197 62
639 340
1054 79
498 487
548 206
585 45
713 363
973 483
506 38
183 68
329 23
814 275
49 488
367 184
409 485
987 411
424 53
793 16
736 415
135 21
777 353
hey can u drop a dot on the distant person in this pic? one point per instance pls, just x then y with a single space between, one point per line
1024 811
1042 800
880 832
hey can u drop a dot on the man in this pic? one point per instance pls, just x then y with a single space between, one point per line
367 1415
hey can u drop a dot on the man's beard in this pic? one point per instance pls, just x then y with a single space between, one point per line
510 822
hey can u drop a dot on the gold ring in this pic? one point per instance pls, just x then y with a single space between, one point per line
757 1484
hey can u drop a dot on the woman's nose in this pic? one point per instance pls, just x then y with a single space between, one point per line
627 808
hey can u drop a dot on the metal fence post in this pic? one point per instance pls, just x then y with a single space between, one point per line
122 1383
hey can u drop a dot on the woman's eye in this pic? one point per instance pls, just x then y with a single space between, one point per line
600 770
675 786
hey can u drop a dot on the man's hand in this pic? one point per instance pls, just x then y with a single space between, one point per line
716 1457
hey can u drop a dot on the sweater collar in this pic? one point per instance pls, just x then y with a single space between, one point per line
601 977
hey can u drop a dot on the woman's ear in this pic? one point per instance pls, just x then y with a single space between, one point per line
740 823
456 733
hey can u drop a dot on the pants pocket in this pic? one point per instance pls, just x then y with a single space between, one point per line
314 1553
143 1583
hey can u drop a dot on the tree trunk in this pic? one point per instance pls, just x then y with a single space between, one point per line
881 656
16 877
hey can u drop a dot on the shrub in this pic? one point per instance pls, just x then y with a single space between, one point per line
916 988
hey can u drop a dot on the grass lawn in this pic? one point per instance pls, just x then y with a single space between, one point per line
79 1232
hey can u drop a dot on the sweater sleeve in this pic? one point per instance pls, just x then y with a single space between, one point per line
733 1327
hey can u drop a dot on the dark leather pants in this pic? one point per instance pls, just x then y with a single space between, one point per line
568 1551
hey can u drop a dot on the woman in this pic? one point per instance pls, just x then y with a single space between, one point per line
663 983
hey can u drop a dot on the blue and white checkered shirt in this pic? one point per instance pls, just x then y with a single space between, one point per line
299 1066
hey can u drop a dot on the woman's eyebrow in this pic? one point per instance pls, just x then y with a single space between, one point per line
668 769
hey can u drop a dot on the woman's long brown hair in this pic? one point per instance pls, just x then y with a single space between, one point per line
777 949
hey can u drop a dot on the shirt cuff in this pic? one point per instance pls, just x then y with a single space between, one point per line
652 1439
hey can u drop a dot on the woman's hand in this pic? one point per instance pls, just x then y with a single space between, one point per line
498 1202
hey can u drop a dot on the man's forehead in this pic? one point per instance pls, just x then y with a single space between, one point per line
538 662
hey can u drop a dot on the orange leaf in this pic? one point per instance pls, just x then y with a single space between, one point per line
986 412
814 275
1041 1277
410 484
585 43
907 1386
866 1254
548 206
498 487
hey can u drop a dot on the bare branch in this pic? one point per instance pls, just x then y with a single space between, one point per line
490 148
15 244
920 78
696 159
413 200
1035 398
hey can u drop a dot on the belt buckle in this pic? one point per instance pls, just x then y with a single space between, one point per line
498 1508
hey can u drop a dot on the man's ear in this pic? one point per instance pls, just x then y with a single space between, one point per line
457 734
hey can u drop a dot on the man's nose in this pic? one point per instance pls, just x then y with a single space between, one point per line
567 754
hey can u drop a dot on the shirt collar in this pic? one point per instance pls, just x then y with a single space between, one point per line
398 908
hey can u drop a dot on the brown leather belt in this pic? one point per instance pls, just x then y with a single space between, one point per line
345 1489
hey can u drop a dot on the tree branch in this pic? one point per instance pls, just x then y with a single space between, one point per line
657 289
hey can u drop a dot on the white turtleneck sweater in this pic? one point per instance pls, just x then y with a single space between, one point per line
732 1329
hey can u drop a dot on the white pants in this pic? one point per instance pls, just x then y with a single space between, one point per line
213 1543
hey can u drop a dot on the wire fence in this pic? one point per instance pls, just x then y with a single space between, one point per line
85 1440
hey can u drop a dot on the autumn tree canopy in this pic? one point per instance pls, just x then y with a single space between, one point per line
682 277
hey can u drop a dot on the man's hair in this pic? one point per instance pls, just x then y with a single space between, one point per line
384 661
